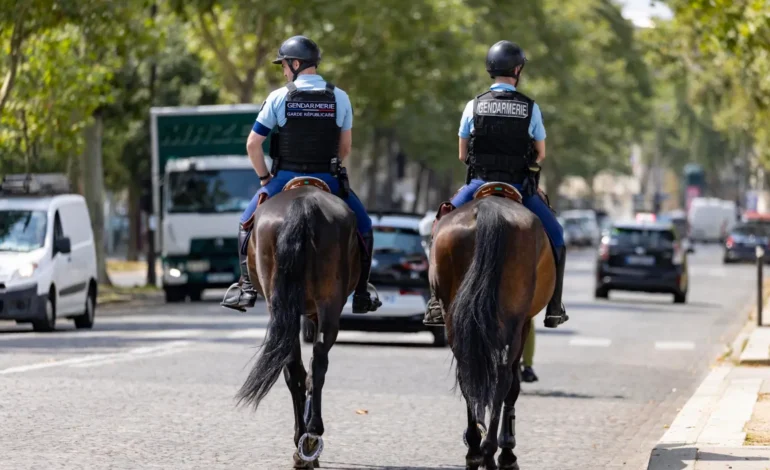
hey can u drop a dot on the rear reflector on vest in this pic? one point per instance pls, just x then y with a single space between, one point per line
503 108
311 109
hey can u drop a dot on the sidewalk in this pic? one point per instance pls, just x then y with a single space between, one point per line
726 423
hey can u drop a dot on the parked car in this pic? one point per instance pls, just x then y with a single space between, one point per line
742 241
642 257
589 233
400 275
47 253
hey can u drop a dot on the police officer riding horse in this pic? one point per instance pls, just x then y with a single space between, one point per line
502 139
313 137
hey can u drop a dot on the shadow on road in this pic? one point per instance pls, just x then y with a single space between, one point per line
679 458
350 466
562 394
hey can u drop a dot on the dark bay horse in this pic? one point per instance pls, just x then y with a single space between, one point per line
492 265
304 260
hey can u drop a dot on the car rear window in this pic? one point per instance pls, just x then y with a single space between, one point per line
398 240
749 230
642 237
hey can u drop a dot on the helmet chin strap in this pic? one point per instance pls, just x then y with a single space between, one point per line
295 72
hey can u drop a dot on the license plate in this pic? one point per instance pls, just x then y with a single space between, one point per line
640 260
220 277
198 266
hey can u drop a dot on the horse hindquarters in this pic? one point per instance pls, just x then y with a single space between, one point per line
287 300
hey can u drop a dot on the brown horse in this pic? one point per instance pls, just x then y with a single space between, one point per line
493 266
304 260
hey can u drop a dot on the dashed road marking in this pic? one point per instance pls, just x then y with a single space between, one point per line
674 345
248 333
590 342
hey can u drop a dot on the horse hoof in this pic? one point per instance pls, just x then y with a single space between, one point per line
482 431
314 444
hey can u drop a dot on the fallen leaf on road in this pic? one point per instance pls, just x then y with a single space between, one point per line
362 412
666 426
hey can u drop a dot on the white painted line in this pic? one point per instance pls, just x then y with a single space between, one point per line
167 333
725 425
590 342
139 353
81 360
248 333
674 345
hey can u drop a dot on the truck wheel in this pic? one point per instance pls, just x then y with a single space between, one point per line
680 297
195 295
174 294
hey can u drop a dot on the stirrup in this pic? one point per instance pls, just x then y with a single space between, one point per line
237 302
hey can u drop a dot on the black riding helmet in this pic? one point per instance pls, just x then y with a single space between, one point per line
503 57
299 48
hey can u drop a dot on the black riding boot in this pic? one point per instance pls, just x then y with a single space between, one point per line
555 314
242 294
362 300
434 315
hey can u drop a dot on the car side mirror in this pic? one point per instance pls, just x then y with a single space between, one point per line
62 245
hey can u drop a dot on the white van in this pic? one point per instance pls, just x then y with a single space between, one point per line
709 220
47 253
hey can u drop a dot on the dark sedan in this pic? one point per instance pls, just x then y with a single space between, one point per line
741 244
642 257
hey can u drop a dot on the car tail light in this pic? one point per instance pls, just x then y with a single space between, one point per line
409 292
417 266
730 242
604 251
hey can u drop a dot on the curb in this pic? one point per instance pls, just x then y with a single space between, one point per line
711 422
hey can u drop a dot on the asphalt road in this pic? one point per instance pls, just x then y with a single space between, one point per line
154 387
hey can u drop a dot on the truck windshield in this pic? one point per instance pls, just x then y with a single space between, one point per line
211 191
22 231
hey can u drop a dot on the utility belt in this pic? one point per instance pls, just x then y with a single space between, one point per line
334 167
492 169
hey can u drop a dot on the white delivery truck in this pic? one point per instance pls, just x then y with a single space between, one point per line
202 181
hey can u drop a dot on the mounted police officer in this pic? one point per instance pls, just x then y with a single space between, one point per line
314 121
502 138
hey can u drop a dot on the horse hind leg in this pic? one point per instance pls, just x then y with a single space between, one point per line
504 379
311 443
507 440
295 374
474 458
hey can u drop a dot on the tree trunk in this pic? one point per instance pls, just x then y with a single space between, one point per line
93 183
134 222
372 169
418 187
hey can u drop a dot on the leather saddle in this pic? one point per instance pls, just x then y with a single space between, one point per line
299 182
302 181
494 188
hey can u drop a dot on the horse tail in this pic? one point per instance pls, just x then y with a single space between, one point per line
287 302
478 340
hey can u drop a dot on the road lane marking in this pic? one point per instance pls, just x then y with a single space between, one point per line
674 345
92 358
167 333
590 342
138 353
248 333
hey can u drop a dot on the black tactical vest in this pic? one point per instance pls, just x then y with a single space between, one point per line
310 139
500 146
